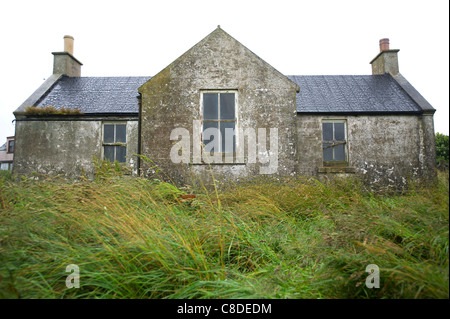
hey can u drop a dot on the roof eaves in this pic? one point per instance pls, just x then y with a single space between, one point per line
356 113
39 93
83 117
414 94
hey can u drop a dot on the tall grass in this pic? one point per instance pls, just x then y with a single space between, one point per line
297 238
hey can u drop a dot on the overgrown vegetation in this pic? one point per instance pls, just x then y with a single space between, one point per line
136 238
442 146
50 110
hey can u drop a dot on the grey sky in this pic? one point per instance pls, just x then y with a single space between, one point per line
133 38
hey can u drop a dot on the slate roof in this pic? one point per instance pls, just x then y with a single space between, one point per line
95 94
352 94
318 94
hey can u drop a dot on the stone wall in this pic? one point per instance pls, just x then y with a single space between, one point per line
384 150
65 147
171 99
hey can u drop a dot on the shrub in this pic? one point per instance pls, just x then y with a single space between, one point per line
442 147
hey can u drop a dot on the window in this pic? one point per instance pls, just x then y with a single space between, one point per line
219 122
115 142
11 146
334 141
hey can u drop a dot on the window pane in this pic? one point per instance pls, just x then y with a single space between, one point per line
211 136
327 131
121 152
109 153
108 133
228 138
227 106
339 153
339 131
327 152
121 133
210 106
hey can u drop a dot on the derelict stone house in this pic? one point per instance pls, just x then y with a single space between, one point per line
220 110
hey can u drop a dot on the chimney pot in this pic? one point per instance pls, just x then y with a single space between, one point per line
68 44
384 44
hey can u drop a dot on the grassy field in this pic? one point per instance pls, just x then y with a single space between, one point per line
135 238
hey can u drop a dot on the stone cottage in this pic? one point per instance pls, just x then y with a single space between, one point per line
220 110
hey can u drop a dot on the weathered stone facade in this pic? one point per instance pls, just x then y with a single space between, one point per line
66 146
384 150
171 99
280 129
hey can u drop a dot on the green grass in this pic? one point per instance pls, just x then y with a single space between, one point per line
135 238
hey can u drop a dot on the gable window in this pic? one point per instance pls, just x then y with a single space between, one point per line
115 142
219 121
334 141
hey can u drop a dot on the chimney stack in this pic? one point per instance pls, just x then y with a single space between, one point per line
64 62
386 61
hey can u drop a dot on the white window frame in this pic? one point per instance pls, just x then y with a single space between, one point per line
115 143
236 120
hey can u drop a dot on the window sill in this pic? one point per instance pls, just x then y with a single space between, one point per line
218 164
335 164
336 170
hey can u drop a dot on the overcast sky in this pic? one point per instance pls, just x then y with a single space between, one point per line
140 38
